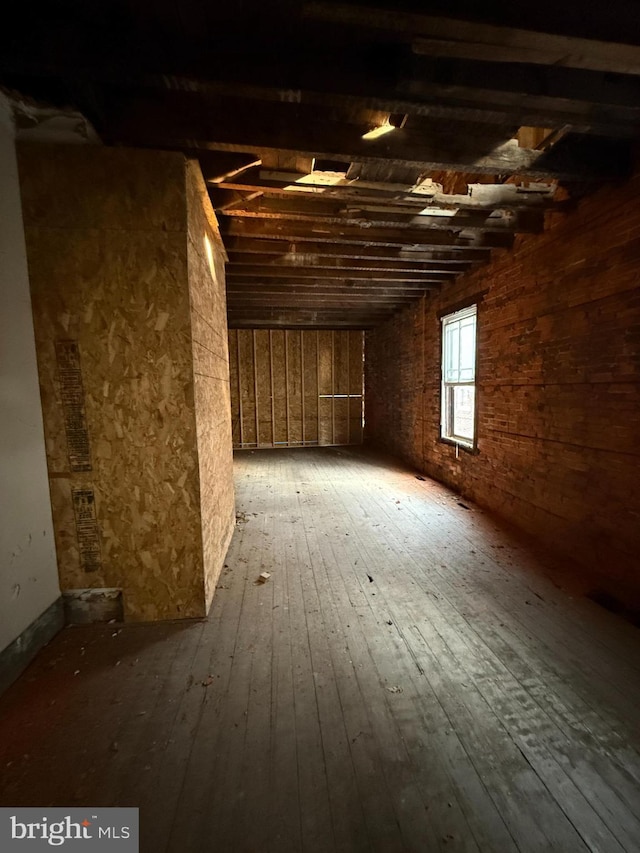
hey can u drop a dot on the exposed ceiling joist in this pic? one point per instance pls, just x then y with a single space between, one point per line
402 197
193 122
340 266
425 239
439 36
273 318
435 101
364 290
315 276
492 123
301 248
325 214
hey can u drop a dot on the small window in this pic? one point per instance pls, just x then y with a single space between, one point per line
459 376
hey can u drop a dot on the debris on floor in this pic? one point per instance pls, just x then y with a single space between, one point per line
263 577
418 477
394 689
207 681
370 578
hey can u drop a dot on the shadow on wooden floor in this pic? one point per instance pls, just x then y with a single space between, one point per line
406 679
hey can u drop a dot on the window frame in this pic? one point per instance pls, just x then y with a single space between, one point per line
447 388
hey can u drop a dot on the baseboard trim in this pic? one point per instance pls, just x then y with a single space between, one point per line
18 655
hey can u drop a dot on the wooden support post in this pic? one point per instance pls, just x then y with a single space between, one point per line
286 380
333 389
239 388
318 379
302 382
363 355
273 396
348 388
255 386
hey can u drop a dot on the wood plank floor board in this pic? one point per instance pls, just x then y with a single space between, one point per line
284 790
194 764
603 797
568 712
252 806
432 779
598 828
519 619
375 801
544 748
347 552
381 576
411 677
164 763
409 802
326 641
129 735
481 533
613 635
442 755
314 797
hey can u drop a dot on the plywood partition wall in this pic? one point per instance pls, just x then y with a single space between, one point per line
291 388
127 283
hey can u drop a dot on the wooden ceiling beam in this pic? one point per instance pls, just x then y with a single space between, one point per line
188 120
239 261
440 36
306 319
301 320
437 102
530 221
423 240
247 246
320 304
283 298
487 196
329 287
258 272
259 279
336 312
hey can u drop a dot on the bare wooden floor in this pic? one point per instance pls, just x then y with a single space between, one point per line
407 679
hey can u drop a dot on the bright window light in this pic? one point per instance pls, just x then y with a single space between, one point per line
459 376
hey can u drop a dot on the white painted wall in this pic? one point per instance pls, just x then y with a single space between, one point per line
28 570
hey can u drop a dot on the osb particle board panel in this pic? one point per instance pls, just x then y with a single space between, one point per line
296 387
211 377
106 239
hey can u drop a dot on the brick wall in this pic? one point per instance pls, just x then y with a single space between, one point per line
558 392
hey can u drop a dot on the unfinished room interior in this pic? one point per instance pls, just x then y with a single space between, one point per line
320 363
